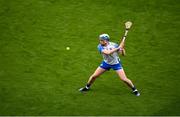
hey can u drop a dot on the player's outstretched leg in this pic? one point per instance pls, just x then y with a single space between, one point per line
92 78
123 77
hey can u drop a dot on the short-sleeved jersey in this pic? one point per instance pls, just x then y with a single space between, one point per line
112 58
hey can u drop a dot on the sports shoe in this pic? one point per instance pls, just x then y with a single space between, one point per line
83 89
136 92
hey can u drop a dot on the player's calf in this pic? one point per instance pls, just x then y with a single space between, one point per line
130 84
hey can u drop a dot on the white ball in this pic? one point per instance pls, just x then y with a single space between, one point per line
67 48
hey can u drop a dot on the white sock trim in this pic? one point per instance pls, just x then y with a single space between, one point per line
87 87
135 90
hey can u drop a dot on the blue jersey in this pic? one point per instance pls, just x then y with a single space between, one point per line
112 58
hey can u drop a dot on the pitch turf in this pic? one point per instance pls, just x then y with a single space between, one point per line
39 77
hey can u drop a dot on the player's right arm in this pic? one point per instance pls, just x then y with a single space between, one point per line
110 51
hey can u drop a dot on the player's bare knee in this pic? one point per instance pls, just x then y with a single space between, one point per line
124 79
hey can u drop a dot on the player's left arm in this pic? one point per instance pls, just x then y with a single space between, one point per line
122 42
122 52
121 49
122 46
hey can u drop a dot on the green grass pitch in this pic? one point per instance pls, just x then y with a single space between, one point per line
38 76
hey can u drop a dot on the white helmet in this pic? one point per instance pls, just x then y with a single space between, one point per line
104 37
